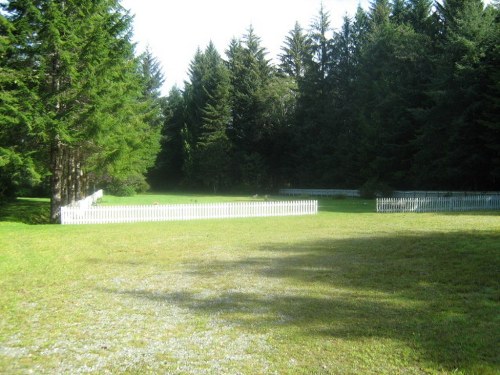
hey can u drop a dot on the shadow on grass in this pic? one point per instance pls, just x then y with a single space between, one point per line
437 293
26 210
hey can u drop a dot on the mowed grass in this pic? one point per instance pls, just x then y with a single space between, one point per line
179 198
347 291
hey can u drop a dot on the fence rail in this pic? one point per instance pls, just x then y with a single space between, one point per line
439 204
132 214
441 194
320 192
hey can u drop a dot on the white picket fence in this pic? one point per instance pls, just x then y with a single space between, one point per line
89 201
439 204
320 192
150 213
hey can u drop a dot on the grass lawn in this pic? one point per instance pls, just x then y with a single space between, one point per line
148 199
347 291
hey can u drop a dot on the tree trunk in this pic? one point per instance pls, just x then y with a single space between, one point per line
78 176
71 180
64 177
56 181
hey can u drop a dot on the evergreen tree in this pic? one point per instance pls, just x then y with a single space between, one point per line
250 73
490 117
380 12
295 53
168 170
214 147
85 77
315 103
400 12
453 140
206 96
390 85
18 161
420 16
340 160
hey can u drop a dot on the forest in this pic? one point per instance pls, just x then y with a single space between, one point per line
404 95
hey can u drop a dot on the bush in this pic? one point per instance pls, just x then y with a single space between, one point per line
127 187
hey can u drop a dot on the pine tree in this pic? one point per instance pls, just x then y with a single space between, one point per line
400 12
390 85
380 11
314 120
295 53
214 147
459 93
18 161
168 169
250 73
85 77
420 16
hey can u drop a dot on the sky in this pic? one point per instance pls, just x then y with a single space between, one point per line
174 29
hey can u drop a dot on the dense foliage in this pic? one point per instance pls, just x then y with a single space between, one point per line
403 95
79 109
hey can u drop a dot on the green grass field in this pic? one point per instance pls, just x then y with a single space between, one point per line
347 291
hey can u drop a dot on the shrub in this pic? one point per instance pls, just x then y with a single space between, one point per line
127 187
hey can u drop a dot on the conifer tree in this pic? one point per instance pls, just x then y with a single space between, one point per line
168 169
85 77
214 147
315 102
250 73
380 11
295 53
454 131
390 85
18 160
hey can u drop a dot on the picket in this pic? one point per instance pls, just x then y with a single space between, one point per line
439 204
74 214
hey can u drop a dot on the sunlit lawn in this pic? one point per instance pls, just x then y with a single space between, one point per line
347 291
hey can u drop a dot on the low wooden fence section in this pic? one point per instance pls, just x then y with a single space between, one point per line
320 192
89 201
439 204
133 214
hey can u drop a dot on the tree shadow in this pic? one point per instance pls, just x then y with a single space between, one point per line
438 293
26 211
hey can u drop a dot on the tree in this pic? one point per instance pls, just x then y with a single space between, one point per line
85 77
214 147
18 161
295 53
454 138
315 103
400 12
390 85
250 73
380 11
420 16
168 169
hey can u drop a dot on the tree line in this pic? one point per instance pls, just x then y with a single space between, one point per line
78 108
404 95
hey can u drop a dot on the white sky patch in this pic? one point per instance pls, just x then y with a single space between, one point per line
174 30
